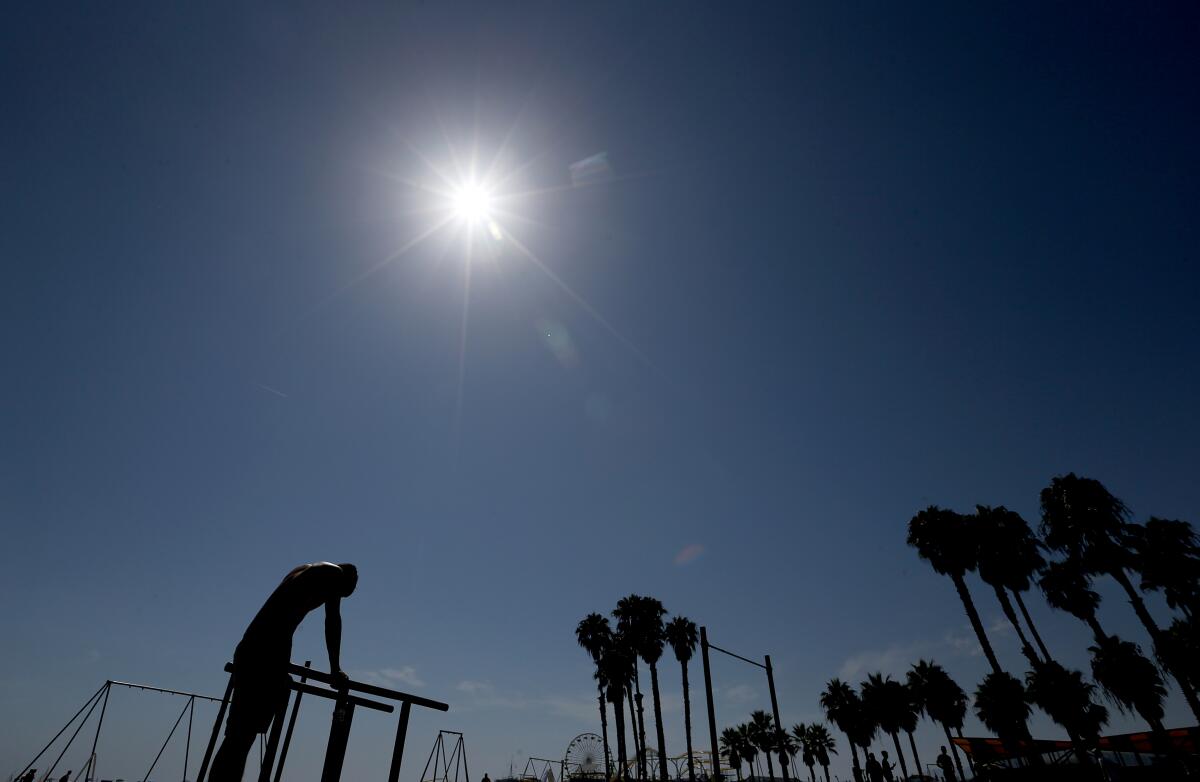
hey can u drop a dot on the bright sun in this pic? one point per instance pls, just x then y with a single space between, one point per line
472 203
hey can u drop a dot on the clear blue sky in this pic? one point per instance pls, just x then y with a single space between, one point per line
855 260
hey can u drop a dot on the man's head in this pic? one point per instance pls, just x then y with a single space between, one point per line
350 576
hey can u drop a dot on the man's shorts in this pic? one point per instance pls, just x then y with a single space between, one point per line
260 691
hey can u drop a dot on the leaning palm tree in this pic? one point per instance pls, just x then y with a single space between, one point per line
731 748
1132 683
763 734
1167 557
682 635
642 618
1081 519
1067 699
823 745
1001 705
910 713
613 670
1008 557
940 698
947 542
843 708
594 634
887 702
1067 587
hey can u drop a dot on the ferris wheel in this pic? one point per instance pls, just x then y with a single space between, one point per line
584 758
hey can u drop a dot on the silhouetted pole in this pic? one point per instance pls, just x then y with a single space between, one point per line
775 709
712 717
287 737
96 738
339 737
216 731
398 749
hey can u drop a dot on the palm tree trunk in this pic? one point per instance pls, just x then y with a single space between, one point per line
970 762
1032 627
812 774
633 729
854 753
954 751
641 720
965 595
1139 607
604 734
1097 630
770 765
687 721
619 715
900 755
1010 614
916 758
658 726
825 768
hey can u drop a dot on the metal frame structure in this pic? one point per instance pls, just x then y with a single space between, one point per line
100 698
339 729
546 765
712 719
441 760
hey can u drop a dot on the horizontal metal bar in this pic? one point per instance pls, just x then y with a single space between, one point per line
371 689
163 689
359 686
711 645
334 695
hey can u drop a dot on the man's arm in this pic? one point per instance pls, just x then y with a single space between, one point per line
333 636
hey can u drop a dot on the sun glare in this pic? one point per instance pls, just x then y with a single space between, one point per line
472 203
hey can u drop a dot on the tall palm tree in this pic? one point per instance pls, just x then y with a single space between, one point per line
613 671
947 542
764 735
1008 557
1001 705
909 716
731 748
823 745
594 634
843 708
1067 699
1127 677
807 757
682 635
887 702
787 747
1131 682
1167 556
749 747
1081 519
642 618
940 698
1067 587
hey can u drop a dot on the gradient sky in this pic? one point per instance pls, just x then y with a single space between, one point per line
854 260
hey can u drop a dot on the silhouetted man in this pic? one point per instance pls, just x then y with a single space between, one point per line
887 768
874 770
947 766
260 679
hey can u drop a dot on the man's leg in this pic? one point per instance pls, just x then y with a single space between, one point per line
230 762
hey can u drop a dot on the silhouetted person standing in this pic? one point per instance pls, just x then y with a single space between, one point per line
947 766
874 770
260 679
887 765
66 777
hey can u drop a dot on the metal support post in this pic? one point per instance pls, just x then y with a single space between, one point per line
216 731
287 737
398 749
91 771
712 719
268 761
775 711
339 736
